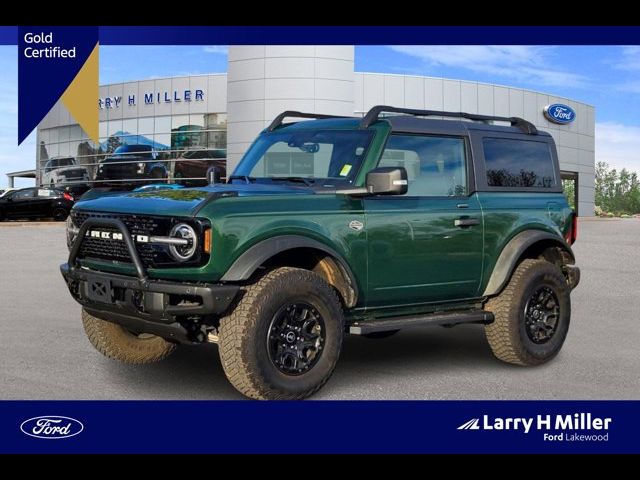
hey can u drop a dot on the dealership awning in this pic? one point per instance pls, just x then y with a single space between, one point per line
23 174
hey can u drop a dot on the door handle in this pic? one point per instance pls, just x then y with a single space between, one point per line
464 222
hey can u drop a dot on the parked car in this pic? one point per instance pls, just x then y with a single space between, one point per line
7 190
64 172
130 165
36 203
331 226
191 168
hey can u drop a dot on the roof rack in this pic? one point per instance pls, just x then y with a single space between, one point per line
292 113
374 113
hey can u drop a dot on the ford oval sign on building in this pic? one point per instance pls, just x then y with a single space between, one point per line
559 113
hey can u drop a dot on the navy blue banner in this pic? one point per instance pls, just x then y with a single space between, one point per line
320 427
359 35
370 35
8 35
49 58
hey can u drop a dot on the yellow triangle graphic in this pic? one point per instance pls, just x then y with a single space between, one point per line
81 96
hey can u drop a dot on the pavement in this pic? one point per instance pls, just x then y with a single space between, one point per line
45 355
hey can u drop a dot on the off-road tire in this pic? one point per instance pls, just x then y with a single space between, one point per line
115 342
243 335
380 335
507 335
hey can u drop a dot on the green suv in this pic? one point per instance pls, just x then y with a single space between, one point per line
335 226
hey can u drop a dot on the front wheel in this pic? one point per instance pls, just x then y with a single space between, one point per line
532 315
283 339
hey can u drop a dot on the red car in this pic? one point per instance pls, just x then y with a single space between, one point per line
191 168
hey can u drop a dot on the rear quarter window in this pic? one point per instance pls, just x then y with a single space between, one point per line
518 164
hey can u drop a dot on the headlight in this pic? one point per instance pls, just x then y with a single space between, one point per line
141 167
72 232
182 253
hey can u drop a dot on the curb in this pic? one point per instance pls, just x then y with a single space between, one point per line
31 224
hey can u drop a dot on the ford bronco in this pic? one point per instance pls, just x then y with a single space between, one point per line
334 226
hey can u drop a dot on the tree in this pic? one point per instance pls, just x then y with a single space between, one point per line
617 192
569 187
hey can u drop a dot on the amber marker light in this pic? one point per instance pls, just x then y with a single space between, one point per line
207 241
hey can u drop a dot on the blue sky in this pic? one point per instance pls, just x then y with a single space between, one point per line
607 77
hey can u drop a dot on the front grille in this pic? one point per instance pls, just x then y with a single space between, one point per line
116 250
78 172
119 170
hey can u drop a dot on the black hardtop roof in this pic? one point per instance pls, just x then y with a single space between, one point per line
411 124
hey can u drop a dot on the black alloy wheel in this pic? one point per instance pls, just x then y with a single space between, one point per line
295 338
541 314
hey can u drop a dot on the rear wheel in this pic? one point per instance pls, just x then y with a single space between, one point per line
532 315
283 339
115 342
60 214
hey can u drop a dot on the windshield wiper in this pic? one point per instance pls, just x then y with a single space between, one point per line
306 180
246 178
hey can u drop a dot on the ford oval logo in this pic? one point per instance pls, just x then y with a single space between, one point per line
51 427
559 113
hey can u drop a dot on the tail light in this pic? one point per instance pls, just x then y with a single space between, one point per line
67 196
572 233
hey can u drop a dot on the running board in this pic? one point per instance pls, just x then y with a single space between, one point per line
448 319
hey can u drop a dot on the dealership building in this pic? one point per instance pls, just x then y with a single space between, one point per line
174 115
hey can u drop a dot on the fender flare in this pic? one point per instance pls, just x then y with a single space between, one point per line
511 253
247 263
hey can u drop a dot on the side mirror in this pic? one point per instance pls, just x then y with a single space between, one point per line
214 175
387 181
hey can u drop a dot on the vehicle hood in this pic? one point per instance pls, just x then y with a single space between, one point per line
70 168
182 202
126 158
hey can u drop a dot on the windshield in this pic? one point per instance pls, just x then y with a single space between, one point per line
334 155
144 151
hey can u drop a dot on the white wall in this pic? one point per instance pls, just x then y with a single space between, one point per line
265 80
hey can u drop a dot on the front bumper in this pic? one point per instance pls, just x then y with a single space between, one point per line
138 303
151 306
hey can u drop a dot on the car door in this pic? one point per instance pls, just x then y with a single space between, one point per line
20 204
425 246
43 202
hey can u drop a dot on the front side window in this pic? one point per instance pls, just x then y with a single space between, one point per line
47 193
22 194
334 155
436 166
518 163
